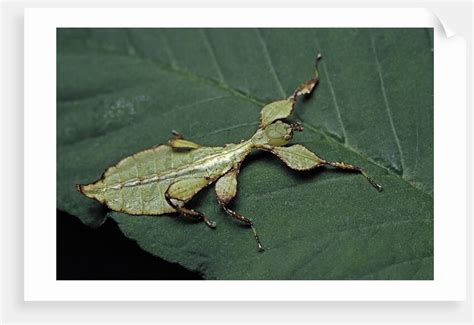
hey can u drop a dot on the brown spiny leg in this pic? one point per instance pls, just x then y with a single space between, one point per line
345 166
191 212
181 191
177 141
308 86
299 157
226 189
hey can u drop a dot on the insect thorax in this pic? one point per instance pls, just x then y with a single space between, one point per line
276 134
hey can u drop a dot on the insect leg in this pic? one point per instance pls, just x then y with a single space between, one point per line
226 189
177 141
190 212
182 191
300 158
245 220
308 86
345 166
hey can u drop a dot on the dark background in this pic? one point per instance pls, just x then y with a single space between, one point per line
104 253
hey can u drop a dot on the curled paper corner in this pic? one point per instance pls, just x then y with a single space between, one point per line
448 31
450 19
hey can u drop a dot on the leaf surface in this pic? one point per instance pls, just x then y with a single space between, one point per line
120 91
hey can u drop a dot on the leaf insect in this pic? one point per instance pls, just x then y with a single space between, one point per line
164 178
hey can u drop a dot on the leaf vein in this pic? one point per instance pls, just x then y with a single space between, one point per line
365 157
210 48
333 95
168 50
387 105
133 48
225 129
173 110
266 54
421 258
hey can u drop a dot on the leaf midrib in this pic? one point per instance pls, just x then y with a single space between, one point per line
255 100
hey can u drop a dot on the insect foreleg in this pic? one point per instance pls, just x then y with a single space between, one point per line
308 86
177 141
281 109
226 189
345 166
300 158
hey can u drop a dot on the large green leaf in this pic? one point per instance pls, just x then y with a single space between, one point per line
123 90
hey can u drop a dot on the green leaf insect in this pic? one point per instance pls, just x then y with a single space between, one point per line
164 178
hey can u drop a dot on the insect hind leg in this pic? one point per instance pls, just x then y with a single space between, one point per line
190 212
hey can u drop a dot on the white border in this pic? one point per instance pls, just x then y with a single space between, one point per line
40 141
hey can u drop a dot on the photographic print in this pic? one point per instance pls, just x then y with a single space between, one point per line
251 153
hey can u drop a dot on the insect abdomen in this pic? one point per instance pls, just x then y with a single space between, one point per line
139 199
137 184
